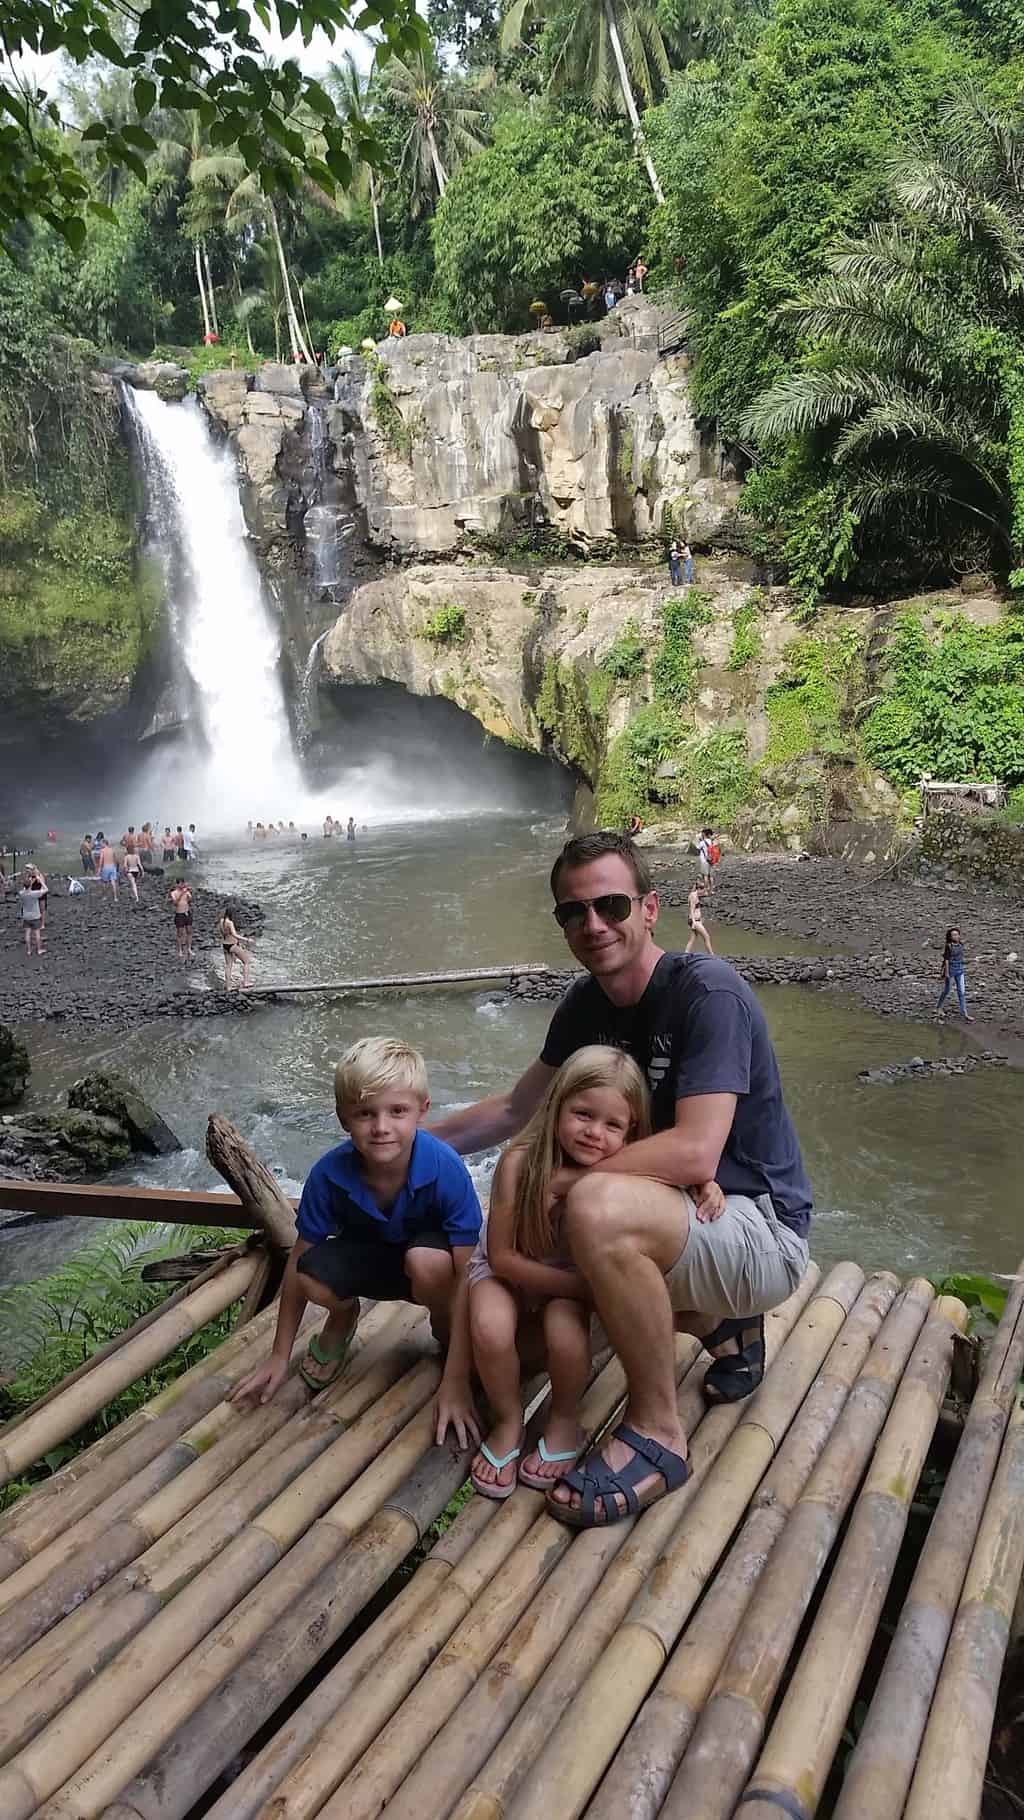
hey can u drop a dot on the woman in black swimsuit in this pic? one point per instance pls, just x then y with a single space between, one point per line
233 949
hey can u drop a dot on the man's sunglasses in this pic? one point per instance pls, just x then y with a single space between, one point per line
611 907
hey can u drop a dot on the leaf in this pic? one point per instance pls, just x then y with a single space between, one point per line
101 210
134 134
72 229
287 17
144 95
320 101
339 164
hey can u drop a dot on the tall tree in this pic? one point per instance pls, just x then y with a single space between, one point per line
353 88
441 125
607 51
248 206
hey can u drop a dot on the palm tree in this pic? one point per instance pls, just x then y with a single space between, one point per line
443 126
347 84
181 151
915 385
607 49
266 294
247 205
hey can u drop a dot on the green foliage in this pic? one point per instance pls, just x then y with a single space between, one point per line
392 427
805 705
746 633
984 1298
554 197
446 625
811 529
51 1326
953 707
181 56
626 659
627 784
674 670
716 777
571 715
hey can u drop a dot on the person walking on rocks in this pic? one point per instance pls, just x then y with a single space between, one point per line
675 562
687 558
708 855
234 950
30 895
695 917
108 865
132 863
953 973
38 883
181 903
86 855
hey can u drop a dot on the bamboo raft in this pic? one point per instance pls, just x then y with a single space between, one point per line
174 1600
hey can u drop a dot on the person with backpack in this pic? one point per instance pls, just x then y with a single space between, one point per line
708 853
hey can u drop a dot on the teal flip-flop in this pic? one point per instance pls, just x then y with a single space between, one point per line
323 1355
533 1479
498 1493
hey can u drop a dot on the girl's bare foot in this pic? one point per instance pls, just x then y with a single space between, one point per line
562 1440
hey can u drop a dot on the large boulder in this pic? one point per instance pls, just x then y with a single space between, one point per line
15 1067
62 1144
114 1099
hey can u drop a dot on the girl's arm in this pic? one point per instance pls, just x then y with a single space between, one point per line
543 1280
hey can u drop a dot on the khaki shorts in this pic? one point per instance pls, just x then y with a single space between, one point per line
745 1262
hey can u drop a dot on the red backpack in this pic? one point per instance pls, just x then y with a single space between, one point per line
714 853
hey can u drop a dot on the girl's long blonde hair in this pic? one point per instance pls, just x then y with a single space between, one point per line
533 1229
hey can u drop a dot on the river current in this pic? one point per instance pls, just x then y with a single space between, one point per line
912 1176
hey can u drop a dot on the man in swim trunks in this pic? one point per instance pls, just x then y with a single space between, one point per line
181 903
108 865
654 1259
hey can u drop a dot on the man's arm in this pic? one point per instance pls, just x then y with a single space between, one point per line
499 1117
690 1152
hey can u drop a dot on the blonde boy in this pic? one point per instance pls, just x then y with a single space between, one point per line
391 1214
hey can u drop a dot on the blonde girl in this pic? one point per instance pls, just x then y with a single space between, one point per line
525 1295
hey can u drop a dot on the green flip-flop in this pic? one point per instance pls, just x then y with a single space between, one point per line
323 1355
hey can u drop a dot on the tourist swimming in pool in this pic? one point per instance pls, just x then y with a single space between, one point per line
391 1214
651 1258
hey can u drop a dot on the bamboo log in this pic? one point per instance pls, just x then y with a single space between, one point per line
79 1402
464 976
581 1746
120 1456
638 1780
806 1733
178 1608
260 1193
879 1772
55 1581
299 1611
725 1744
950 1772
262 1777
498 1783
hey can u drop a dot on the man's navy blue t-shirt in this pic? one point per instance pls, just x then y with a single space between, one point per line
437 1196
698 1028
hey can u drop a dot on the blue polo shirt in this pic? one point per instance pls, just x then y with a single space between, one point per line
437 1196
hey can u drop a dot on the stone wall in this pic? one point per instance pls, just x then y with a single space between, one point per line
978 847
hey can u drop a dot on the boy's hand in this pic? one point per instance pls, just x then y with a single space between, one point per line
260 1385
709 1201
454 1408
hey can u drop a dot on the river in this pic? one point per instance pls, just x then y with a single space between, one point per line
914 1176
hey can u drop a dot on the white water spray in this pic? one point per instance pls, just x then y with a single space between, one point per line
228 640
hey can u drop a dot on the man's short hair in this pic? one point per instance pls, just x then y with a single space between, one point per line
377 1064
582 849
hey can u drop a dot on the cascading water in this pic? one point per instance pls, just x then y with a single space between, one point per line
326 527
227 639
307 692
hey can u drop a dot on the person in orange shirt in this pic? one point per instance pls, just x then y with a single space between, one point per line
396 327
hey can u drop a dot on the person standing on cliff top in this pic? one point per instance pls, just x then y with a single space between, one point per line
655 1258
675 562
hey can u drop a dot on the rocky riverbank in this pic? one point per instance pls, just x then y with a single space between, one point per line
112 966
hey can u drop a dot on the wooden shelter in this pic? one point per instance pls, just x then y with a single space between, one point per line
178 1602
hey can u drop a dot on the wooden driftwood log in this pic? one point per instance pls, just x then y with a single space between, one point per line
259 1192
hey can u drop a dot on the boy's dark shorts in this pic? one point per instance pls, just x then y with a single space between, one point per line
366 1267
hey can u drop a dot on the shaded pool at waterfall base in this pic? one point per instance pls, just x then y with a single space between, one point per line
916 1176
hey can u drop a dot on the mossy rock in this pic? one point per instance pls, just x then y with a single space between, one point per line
67 1143
15 1068
112 1097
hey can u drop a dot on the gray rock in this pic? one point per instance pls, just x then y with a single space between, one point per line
15 1068
112 1097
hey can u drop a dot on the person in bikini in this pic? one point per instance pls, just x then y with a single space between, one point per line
695 917
233 948
181 903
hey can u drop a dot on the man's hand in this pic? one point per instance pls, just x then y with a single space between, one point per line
454 1408
709 1201
560 1183
260 1385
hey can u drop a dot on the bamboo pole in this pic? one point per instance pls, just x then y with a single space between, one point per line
299 1610
498 1783
79 1402
950 1771
579 1749
260 1193
324 1737
878 1774
805 1736
711 1776
169 1616
639 1776
464 976
59 1502
57 1580
263 1776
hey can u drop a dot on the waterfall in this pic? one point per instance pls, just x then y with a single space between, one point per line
326 526
226 637
307 692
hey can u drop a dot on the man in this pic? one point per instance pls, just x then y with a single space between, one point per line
652 1260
